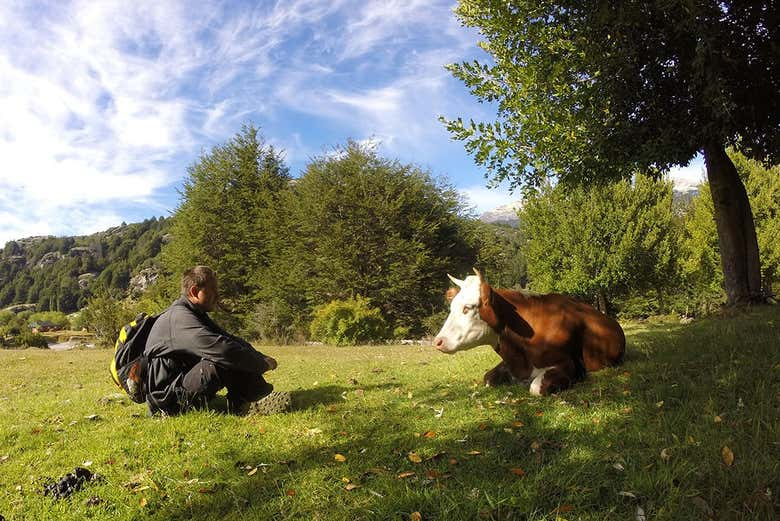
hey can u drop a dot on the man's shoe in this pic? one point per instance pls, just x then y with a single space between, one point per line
275 403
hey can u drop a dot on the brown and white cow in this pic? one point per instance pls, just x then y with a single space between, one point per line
551 340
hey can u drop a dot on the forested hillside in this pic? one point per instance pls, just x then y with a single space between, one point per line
61 273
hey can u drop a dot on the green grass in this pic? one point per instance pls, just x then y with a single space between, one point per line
643 435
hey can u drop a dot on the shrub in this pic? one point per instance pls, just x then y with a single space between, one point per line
105 316
31 340
348 322
55 317
433 323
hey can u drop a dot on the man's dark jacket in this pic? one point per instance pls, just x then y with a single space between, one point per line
182 336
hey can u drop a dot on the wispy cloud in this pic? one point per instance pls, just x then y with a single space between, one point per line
105 104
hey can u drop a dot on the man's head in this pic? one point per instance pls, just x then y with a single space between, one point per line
200 286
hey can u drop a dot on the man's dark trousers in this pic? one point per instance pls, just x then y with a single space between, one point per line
205 379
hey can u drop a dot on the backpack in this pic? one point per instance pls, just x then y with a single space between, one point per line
128 367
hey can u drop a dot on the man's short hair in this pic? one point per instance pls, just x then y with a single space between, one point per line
198 276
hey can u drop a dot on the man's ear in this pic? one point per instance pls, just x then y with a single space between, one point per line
193 292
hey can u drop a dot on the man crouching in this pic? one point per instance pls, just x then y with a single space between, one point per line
190 358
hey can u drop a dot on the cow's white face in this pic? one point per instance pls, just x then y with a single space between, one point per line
464 328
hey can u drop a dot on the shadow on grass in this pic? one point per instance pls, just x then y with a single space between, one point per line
645 436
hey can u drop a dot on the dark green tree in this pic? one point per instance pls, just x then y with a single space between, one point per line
365 225
223 220
593 90
603 241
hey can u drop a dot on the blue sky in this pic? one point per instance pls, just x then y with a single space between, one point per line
104 105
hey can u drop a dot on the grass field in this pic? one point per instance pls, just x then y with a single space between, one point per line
688 428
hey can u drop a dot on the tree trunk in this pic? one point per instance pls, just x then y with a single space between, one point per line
736 230
601 301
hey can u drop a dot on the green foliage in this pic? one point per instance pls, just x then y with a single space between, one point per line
700 253
348 322
763 188
57 318
603 241
59 273
27 339
363 224
500 255
595 91
226 216
105 315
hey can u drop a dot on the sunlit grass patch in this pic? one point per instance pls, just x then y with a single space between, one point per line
380 432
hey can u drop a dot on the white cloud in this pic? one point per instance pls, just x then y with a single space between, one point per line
105 103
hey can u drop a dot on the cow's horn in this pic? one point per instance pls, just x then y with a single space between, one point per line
477 273
455 281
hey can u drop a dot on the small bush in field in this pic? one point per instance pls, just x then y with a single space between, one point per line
105 316
31 340
348 322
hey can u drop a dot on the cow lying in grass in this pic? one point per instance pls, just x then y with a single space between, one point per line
551 340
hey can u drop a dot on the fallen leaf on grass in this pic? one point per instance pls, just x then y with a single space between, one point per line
473 453
728 456
629 495
314 431
717 419
3 459
407 474
564 508
92 417
517 471
640 514
666 454
340 457
414 458
290 492
429 434
252 472
143 502
517 424
351 486
415 516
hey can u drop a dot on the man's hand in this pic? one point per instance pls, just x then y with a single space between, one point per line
271 363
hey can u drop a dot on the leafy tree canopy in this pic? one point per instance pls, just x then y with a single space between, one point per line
601 242
590 90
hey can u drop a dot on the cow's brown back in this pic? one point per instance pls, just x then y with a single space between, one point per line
553 326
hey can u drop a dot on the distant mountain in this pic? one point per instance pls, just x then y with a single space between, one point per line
60 273
507 214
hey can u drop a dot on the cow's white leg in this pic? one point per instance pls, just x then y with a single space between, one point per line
537 376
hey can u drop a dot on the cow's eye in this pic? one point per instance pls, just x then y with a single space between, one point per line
466 309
